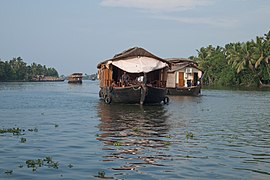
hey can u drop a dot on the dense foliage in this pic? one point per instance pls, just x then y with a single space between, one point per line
17 70
236 64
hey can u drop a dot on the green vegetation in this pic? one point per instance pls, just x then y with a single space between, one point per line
135 129
168 136
101 174
23 140
17 70
15 131
189 135
70 165
47 161
117 143
9 172
236 64
31 130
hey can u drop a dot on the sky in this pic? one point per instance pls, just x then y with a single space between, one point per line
75 35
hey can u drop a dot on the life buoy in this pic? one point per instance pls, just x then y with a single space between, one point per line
108 100
166 100
100 94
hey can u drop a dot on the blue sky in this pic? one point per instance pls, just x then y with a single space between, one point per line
75 35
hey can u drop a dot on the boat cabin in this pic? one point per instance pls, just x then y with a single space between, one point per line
136 63
183 76
75 78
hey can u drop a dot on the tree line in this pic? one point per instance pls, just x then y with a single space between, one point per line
17 70
236 64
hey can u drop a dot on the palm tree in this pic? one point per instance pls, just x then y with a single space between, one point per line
262 50
212 61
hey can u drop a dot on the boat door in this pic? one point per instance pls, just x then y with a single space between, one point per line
195 79
181 81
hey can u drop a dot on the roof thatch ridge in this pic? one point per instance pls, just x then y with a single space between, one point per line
178 60
131 52
135 51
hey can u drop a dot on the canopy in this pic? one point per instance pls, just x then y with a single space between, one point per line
139 64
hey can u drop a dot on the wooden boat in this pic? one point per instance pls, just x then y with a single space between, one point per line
75 78
264 84
147 75
42 78
184 77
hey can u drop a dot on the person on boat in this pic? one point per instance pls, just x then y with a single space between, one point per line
113 84
125 78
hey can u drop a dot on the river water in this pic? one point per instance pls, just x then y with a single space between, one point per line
222 134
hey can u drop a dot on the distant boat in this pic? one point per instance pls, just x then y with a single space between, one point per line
144 81
75 78
184 77
264 84
43 78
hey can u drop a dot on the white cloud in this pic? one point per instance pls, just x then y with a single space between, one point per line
162 9
215 22
157 5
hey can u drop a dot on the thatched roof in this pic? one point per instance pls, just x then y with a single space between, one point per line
180 60
76 73
178 67
133 52
180 63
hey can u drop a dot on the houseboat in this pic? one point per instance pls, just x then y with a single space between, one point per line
133 76
184 77
43 78
75 78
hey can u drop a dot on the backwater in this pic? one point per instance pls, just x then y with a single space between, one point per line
67 132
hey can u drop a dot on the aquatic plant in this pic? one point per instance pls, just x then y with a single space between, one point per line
34 164
167 143
54 165
15 131
189 135
31 130
9 172
135 129
23 140
101 174
117 143
168 136
70 165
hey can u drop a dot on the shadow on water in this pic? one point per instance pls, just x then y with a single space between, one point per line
130 132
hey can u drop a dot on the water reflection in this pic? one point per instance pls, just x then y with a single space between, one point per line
130 132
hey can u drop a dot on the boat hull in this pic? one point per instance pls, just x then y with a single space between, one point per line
75 81
133 94
155 95
184 91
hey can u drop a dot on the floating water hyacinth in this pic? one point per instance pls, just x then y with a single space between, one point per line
9 172
189 135
31 130
70 165
101 174
23 140
15 131
47 161
117 143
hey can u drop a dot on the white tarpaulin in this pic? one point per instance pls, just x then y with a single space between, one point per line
139 64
